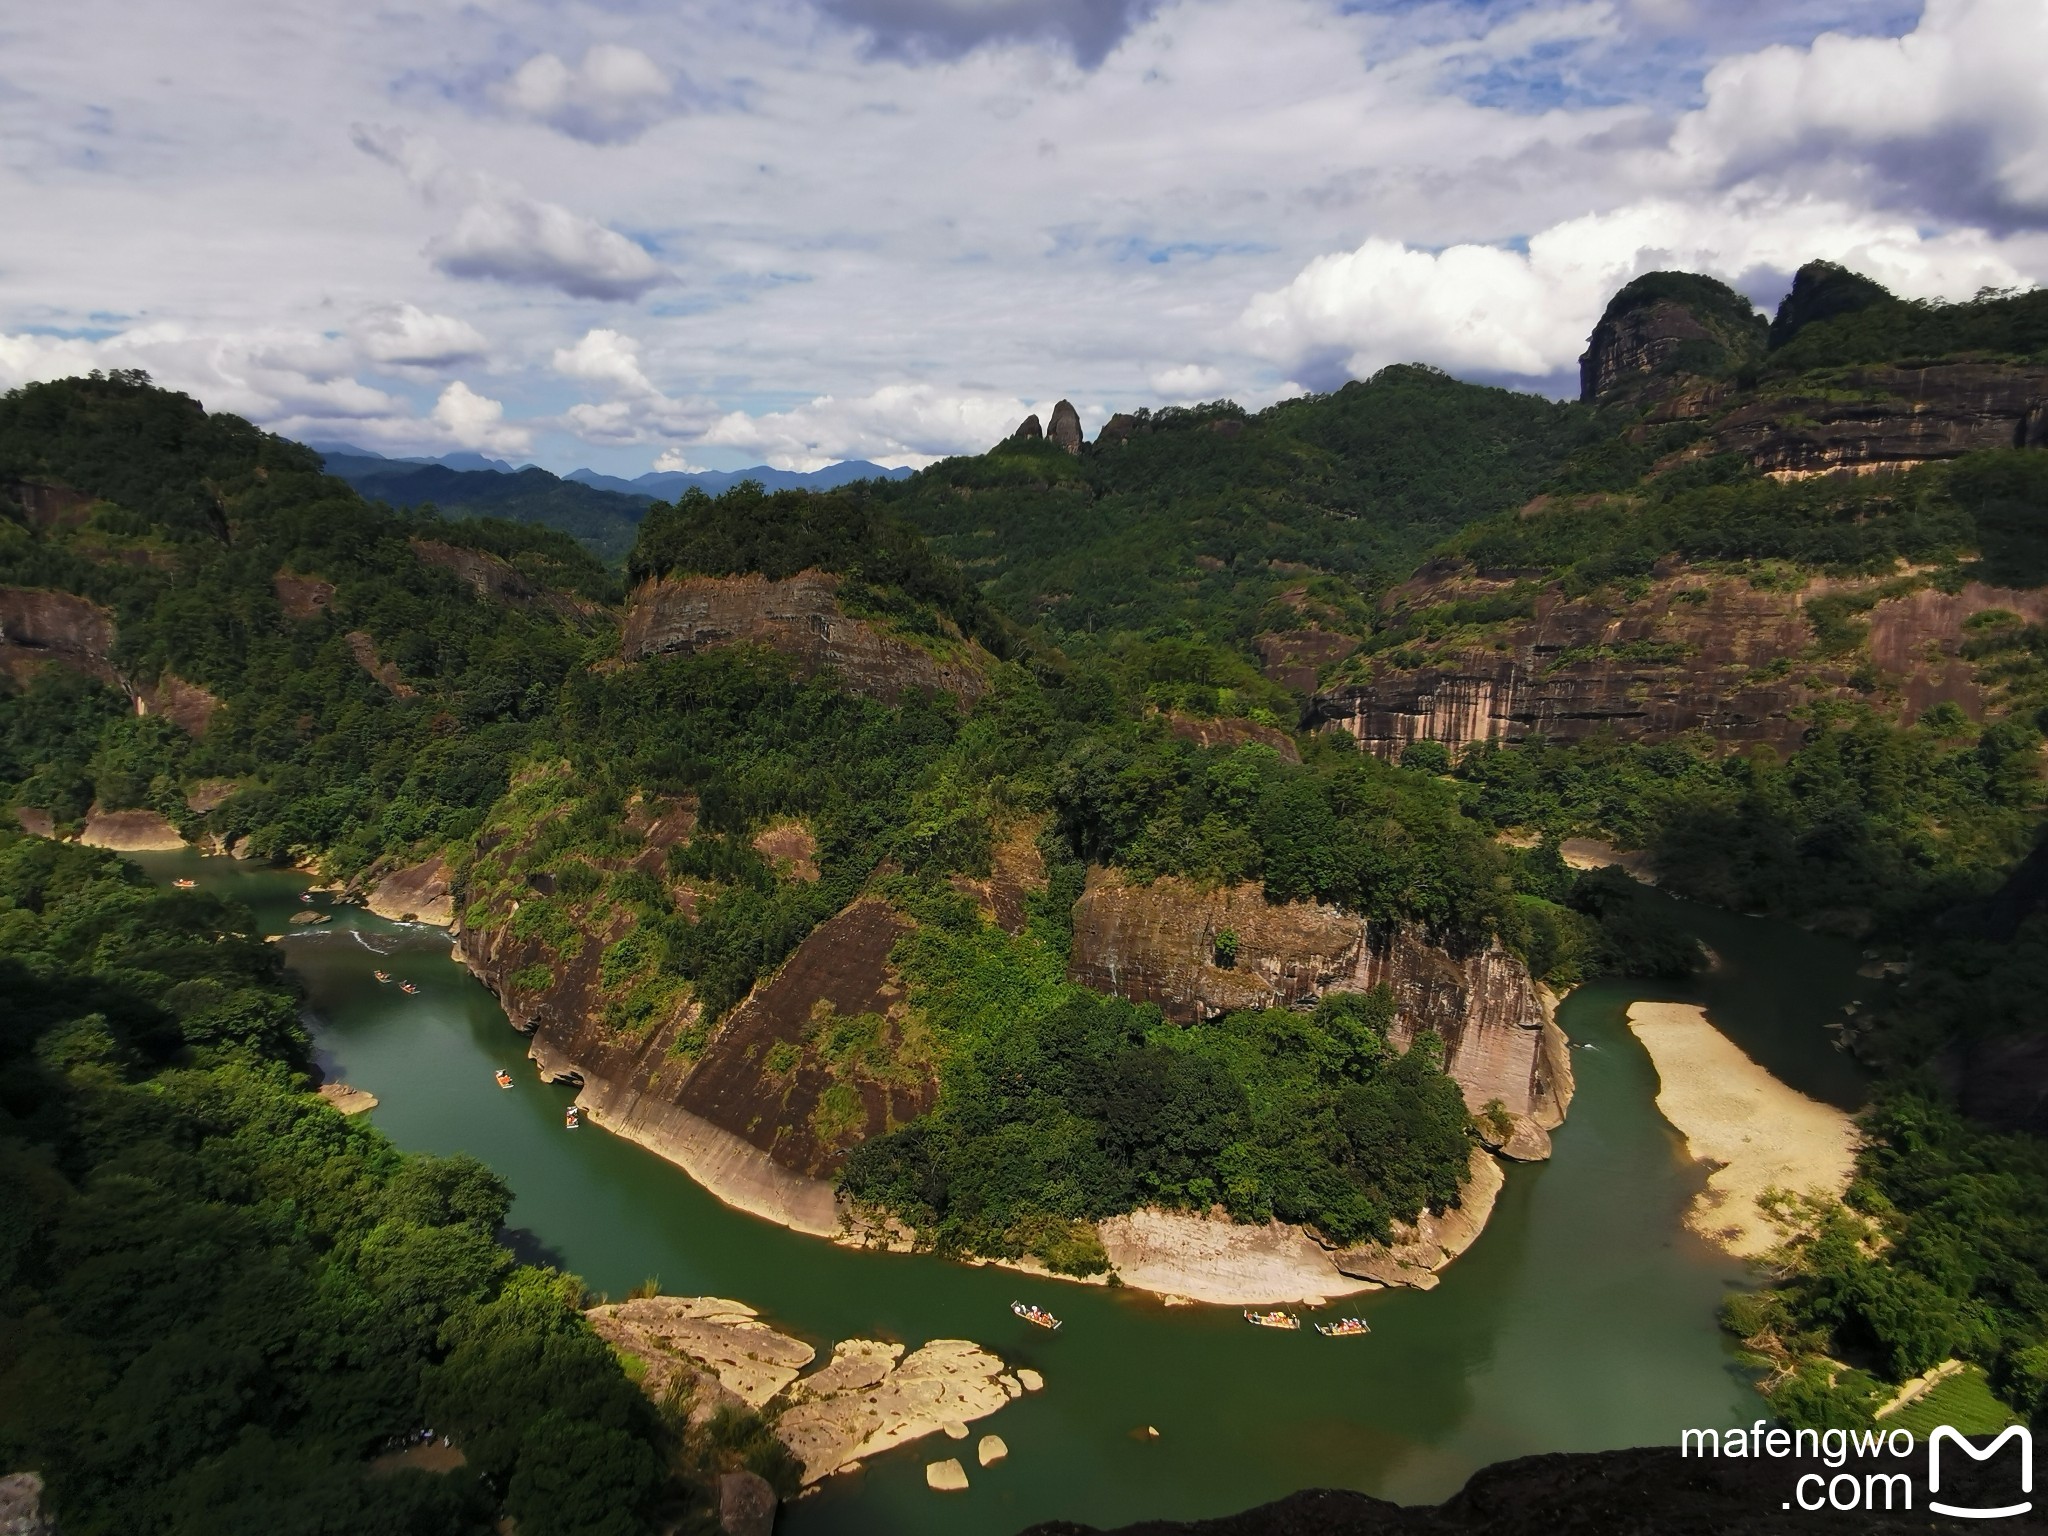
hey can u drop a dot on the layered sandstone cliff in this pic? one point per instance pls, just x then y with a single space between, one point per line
1872 419
1157 943
801 617
1694 653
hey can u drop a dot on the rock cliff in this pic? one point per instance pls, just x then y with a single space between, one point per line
1157 944
496 579
1662 328
1064 429
38 627
762 1109
1695 652
1868 420
802 618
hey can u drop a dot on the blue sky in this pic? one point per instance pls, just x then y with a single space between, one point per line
633 235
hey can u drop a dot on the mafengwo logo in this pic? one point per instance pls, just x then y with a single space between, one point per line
1868 1468
1946 1436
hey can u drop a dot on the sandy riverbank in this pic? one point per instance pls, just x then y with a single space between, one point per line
1756 1133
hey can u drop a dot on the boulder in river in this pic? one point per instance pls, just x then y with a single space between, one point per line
946 1476
746 1504
991 1450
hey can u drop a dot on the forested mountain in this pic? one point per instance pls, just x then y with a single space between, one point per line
603 512
1171 820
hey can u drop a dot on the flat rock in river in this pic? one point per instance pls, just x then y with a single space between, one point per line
748 1359
872 1396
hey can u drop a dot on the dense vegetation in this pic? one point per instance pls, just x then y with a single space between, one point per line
195 518
1198 519
217 1296
1119 592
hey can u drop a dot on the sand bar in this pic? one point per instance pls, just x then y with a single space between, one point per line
1755 1132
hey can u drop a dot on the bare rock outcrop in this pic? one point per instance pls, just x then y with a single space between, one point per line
1664 327
188 706
302 597
1879 418
1295 658
763 1109
1016 874
682 1337
1232 732
1210 1258
49 506
35 821
419 893
499 580
872 1396
39 627
130 832
746 1504
1157 944
1029 430
868 1397
21 1506
1695 652
802 618
1064 430
364 650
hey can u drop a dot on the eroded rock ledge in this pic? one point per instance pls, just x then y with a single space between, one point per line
802 618
870 1397
1157 943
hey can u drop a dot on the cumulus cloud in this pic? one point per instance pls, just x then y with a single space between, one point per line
1089 29
1190 381
637 412
612 97
477 421
1950 118
298 383
673 461
503 233
604 356
898 424
1501 312
404 336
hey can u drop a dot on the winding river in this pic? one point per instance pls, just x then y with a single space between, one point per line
1583 1319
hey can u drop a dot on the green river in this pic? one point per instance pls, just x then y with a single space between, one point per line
1583 1319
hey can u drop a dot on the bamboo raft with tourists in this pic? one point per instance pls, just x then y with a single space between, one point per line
1038 1315
1344 1328
1275 1319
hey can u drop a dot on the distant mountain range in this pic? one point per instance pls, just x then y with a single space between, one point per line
602 511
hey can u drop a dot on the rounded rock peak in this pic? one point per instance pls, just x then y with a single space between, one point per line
1665 325
1065 427
1029 428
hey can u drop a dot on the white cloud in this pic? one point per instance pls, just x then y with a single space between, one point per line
604 356
1190 381
1498 311
502 233
673 461
1006 200
1952 116
898 424
477 421
613 96
407 337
